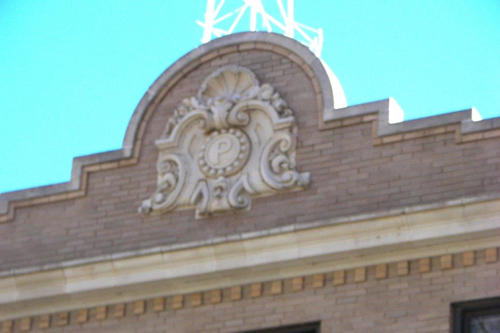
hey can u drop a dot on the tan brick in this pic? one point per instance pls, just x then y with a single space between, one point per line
318 280
315 83
44 321
279 50
296 59
139 307
228 49
215 296
381 271
491 255
263 46
62 319
333 124
392 138
7 326
25 324
82 316
491 134
446 261
338 278
370 117
424 265
297 284
209 56
472 137
359 274
402 268
235 293
196 299
246 46
435 131
276 287
158 304
412 135
319 101
101 312
256 290
352 121
177 302
468 258
119 310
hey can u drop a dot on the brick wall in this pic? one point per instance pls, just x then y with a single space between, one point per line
417 302
349 176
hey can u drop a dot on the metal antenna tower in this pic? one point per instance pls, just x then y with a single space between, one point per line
286 24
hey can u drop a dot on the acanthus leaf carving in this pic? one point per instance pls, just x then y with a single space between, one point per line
239 196
170 181
200 198
246 150
277 165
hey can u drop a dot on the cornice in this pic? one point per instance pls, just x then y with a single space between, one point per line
27 319
388 213
336 280
414 234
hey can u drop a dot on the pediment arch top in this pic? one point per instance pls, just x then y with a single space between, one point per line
328 92
138 144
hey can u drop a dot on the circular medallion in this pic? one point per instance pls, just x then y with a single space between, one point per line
224 153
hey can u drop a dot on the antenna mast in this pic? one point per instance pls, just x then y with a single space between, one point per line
286 24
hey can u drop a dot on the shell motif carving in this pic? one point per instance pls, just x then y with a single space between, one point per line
231 84
232 142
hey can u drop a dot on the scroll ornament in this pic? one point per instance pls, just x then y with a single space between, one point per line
232 142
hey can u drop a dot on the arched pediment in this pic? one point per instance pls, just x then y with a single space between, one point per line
326 85
329 96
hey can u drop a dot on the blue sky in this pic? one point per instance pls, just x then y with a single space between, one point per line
72 72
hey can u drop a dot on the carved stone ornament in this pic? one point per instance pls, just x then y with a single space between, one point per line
235 140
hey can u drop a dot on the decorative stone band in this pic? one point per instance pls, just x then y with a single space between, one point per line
253 290
386 116
246 259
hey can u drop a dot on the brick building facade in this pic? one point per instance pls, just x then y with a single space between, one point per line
264 202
